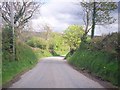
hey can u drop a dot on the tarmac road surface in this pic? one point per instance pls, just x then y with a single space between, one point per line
54 72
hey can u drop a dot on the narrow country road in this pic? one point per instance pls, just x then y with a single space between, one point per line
54 72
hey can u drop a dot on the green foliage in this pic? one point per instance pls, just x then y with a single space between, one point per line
103 12
107 43
68 55
37 42
41 53
72 35
100 63
7 42
99 13
58 44
54 42
25 59
99 56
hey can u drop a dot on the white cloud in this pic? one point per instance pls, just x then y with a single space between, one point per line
62 13
59 14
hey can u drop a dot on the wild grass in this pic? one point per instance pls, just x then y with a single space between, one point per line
98 58
27 57
25 60
102 64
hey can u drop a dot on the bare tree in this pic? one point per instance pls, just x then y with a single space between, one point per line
48 30
22 12
16 15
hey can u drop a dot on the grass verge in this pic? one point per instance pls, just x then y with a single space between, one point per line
26 59
100 63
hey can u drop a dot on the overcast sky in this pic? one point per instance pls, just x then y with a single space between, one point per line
59 14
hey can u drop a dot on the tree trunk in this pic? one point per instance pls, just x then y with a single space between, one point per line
13 32
93 19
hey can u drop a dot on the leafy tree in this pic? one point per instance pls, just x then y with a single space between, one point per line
97 13
72 35
101 14
57 40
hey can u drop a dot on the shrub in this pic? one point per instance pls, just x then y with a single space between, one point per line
107 43
37 42
7 43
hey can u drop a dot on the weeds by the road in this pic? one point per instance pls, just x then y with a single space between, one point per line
25 59
98 63
99 57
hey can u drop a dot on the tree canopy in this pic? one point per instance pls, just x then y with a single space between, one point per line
97 13
72 35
